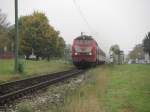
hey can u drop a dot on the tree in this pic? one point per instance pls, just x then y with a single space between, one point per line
115 49
115 53
137 52
4 38
3 19
146 43
60 46
38 37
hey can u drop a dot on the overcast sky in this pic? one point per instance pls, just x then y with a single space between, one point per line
122 22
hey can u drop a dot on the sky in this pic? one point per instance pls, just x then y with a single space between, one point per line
122 22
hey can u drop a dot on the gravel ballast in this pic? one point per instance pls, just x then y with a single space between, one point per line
48 98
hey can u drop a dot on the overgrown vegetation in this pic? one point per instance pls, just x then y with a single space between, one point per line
113 88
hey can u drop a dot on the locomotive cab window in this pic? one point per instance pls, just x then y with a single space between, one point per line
85 42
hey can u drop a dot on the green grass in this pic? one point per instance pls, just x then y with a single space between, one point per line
128 88
25 107
118 88
89 97
30 68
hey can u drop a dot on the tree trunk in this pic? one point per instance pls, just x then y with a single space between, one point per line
48 58
27 57
37 58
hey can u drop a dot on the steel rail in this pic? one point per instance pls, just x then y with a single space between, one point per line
15 85
54 78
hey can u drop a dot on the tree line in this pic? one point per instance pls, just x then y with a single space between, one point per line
139 50
36 36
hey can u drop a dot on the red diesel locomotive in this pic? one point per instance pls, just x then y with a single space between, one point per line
86 52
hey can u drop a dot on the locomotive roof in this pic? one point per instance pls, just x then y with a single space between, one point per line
85 37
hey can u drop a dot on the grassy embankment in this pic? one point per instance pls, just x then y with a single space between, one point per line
124 88
30 68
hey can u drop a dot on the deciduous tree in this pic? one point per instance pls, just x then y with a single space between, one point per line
115 52
38 36
137 52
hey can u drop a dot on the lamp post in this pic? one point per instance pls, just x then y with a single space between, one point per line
16 36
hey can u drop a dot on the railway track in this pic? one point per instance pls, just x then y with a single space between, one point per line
13 90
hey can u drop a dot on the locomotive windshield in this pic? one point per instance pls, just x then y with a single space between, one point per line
83 42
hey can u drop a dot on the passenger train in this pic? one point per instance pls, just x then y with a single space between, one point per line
86 52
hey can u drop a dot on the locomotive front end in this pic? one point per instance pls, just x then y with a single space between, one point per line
83 51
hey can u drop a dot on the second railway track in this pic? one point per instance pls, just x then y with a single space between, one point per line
13 90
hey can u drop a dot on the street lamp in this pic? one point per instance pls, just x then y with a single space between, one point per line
16 36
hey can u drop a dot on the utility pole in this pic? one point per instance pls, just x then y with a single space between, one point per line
16 36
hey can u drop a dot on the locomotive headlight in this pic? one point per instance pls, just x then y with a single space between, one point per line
76 53
90 53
